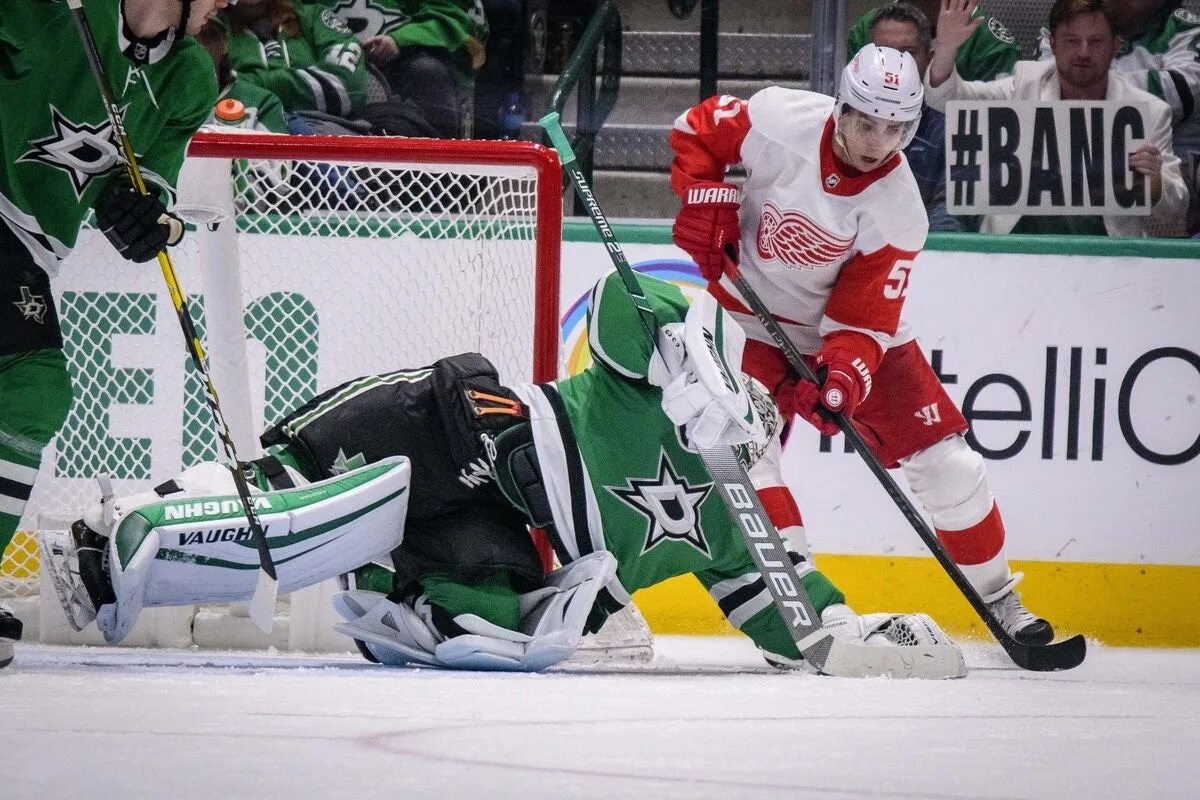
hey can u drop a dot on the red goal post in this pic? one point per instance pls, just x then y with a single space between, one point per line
453 154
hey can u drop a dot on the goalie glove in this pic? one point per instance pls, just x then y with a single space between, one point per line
137 225
929 652
703 390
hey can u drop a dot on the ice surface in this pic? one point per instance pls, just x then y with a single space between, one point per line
705 720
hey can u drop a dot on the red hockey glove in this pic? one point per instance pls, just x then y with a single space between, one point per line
707 223
845 381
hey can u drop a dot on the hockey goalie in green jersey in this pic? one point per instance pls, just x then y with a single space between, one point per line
438 473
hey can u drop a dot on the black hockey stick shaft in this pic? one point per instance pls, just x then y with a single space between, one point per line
763 541
262 607
1041 658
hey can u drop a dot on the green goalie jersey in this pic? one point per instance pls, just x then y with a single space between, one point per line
315 64
58 146
457 26
619 477
1164 60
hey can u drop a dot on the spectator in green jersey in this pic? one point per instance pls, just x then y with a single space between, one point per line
989 54
304 54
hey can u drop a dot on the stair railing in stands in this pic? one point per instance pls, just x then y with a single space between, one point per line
593 104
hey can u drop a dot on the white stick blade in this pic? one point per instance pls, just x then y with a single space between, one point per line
262 605
932 662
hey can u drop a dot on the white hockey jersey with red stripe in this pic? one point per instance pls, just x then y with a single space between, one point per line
828 248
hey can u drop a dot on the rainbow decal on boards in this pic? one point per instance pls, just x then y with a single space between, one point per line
576 355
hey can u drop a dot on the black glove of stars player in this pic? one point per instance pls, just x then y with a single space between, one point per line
137 225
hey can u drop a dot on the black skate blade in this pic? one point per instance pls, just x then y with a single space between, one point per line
1066 654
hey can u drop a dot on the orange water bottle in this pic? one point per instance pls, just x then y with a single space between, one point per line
230 112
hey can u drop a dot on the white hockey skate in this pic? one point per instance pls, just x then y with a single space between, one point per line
76 561
1012 615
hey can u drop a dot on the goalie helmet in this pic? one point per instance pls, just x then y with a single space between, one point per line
768 412
885 83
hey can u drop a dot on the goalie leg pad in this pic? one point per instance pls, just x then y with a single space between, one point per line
552 623
196 548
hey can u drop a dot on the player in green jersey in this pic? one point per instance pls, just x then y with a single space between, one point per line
605 462
60 160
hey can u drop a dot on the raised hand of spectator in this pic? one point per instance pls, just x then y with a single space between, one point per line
955 24
381 49
1148 161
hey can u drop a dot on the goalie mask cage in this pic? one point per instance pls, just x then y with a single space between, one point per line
314 260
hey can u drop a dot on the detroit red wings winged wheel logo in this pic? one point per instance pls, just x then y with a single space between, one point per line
797 241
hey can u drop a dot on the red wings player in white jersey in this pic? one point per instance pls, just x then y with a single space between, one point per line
830 222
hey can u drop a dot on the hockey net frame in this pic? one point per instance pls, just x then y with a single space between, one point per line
395 208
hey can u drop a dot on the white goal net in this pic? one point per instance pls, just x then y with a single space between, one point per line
314 260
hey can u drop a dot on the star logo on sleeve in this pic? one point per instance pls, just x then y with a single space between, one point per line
80 150
670 504
32 306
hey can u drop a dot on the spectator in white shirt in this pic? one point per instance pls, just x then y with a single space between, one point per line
1084 42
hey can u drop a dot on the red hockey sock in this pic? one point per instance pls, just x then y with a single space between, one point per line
977 544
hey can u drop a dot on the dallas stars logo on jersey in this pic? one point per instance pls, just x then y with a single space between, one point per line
81 150
32 306
343 463
366 18
670 504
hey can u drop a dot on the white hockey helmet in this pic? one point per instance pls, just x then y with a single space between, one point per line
883 82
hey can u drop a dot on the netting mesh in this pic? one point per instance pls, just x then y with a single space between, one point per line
418 264
344 269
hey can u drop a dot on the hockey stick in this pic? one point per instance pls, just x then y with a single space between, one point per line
1038 658
820 649
262 605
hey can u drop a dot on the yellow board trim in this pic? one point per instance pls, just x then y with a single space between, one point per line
1123 605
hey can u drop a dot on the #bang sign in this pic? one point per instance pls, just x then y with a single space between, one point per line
1045 158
